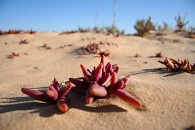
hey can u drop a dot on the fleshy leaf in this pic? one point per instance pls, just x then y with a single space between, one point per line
184 64
104 80
55 84
169 65
127 97
119 84
64 90
89 97
173 60
98 72
113 79
63 103
52 93
97 90
109 68
36 94
86 73
115 68
126 80
188 68
102 61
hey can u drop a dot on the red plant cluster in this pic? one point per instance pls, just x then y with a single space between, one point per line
93 48
13 55
23 41
102 82
54 94
14 31
158 54
103 53
178 65
137 55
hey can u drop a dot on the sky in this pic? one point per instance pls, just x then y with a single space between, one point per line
61 15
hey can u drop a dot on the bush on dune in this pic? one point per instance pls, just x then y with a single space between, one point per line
144 26
180 22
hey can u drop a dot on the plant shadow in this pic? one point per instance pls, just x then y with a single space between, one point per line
156 57
159 71
81 105
27 103
48 110
105 108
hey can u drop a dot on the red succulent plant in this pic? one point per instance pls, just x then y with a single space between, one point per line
178 65
158 54
103 53
54 94
137 55
23 41
13 55
102 82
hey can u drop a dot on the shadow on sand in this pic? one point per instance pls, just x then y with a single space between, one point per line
48 110
163 71
27 103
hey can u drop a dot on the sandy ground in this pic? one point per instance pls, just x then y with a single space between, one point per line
168 96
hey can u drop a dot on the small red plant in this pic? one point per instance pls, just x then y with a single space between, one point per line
92 48
158 54
23 41
13 55
103 53
173 65
102 82
54 94
137 55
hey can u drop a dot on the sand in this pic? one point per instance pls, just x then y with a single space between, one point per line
168 97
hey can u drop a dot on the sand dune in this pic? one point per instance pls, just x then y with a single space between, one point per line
168 97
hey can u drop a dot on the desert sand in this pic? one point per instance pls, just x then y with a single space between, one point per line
168 97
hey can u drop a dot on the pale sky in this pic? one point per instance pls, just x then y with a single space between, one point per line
61 15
